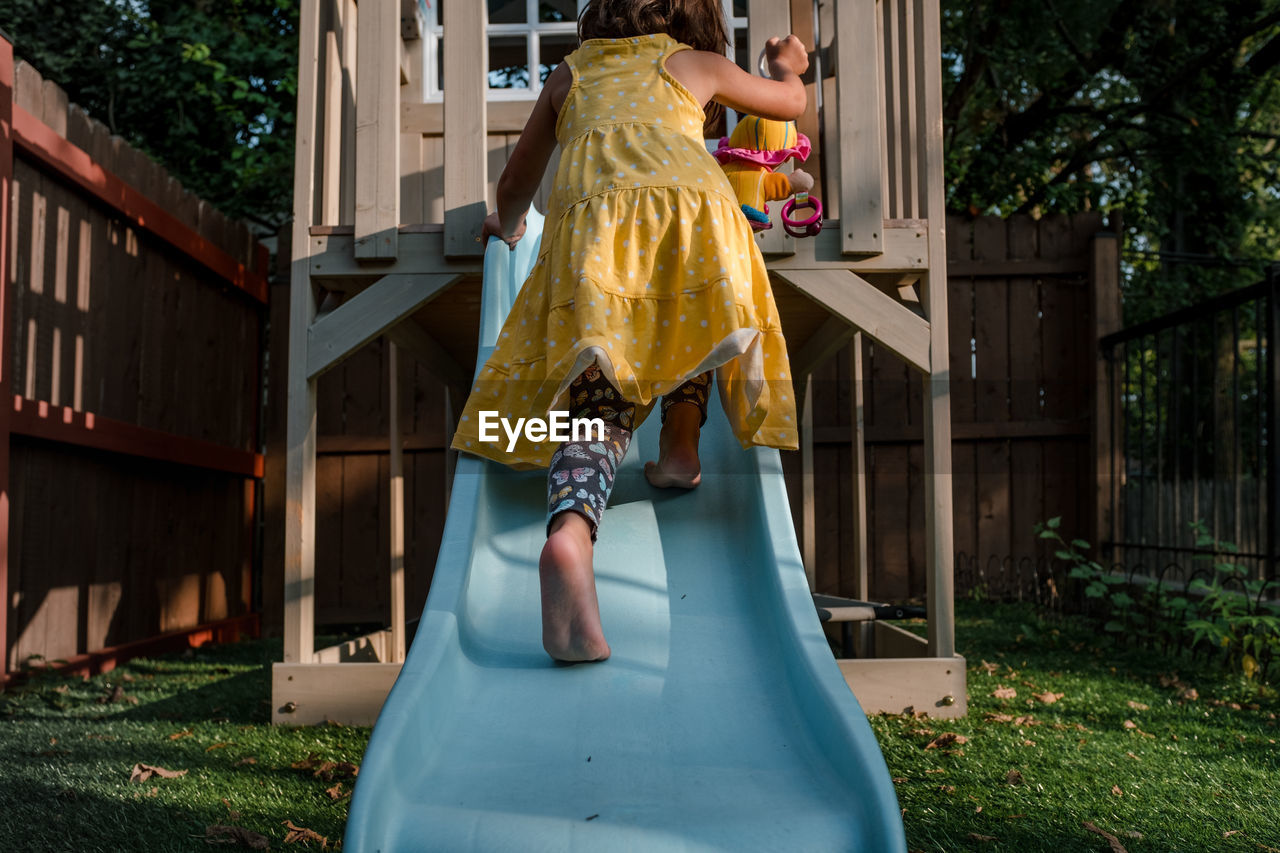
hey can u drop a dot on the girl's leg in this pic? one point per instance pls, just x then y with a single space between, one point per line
684 411
578 485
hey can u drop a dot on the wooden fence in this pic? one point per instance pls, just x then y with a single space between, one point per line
1023 363
131 314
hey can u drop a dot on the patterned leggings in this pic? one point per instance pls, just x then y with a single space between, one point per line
582 472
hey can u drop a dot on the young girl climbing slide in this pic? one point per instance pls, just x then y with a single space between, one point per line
647 281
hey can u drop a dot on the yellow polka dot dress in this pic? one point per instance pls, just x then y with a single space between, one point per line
647 266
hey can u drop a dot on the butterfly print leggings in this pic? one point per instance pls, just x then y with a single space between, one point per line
582 472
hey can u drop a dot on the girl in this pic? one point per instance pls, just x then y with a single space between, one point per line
647 279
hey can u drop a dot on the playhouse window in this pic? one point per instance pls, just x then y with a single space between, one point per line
535 36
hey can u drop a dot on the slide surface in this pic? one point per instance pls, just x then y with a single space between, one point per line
721 722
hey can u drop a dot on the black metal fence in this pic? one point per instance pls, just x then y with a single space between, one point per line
1196 467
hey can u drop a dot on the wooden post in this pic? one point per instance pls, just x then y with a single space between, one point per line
378 132
858 84
6 319
939 531
1104 280
808 520
858 455
300 438
466 64
397 507
765 19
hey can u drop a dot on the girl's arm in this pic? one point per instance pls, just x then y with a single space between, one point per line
528 161
712 77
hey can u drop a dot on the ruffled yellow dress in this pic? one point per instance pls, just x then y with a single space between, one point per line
647 266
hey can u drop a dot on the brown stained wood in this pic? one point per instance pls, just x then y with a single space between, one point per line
329 536
1027 498
890 494
916 558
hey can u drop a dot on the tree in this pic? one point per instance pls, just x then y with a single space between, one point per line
1169 110
207 88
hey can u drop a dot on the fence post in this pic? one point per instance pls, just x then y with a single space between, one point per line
1104 280
1273 418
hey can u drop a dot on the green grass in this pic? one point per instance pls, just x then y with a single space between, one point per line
65 758
1167 772
1188 770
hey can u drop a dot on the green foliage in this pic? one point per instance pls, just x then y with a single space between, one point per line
1224 610
206 88
1170 111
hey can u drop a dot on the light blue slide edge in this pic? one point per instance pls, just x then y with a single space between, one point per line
721 722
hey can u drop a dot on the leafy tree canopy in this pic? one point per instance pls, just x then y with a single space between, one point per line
1168 109
207 87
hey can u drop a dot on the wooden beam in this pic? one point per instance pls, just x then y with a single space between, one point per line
859 482
300 430
42 420
36 139
858 84
105 660
833 334
331 181
396 507
428 118
938 498
377 131
466 52
305 694
864 306
6 321
765 19
363 317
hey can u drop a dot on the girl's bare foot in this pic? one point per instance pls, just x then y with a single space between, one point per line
678 464
571 628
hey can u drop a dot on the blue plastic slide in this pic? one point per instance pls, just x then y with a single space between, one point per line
721 722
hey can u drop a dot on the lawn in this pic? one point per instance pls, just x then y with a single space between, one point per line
1064 728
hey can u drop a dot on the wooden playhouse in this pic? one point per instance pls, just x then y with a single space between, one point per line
403 125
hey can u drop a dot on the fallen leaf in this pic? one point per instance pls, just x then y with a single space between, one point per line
1028 720
1138 706
1005 693
222 834
898 780
990 667
922 732
1189 695
1130 724
1134 757
935 770
1116 846
998 718
1028 743
143 772
1115 789
1230 832
973 836
181 734
1048 697
945 740
1014 777
947 789
978 810
212 747
336 792
248 759
301 833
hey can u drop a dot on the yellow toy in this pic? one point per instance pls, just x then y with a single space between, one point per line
749 156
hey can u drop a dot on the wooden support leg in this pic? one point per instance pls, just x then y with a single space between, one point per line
300 479
862 570
808 522
938 517
397 508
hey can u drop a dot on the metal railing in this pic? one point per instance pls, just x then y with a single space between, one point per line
1196 456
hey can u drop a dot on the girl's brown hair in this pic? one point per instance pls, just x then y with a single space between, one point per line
697 23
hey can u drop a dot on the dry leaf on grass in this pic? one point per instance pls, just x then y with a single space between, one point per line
1014 777
1048 697
301 833
143 772
1028 743
898 780
181 734
220 834
1116 846
248 759
327 770
998 718
117 695
336 792
1005 693
947 789
935 770
990 667
1230 832
1137 706
219 745
1134 757
922 732
1130 724
1028 720
945 740
973 836
1116 790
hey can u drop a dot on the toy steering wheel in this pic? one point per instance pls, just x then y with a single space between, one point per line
810 225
